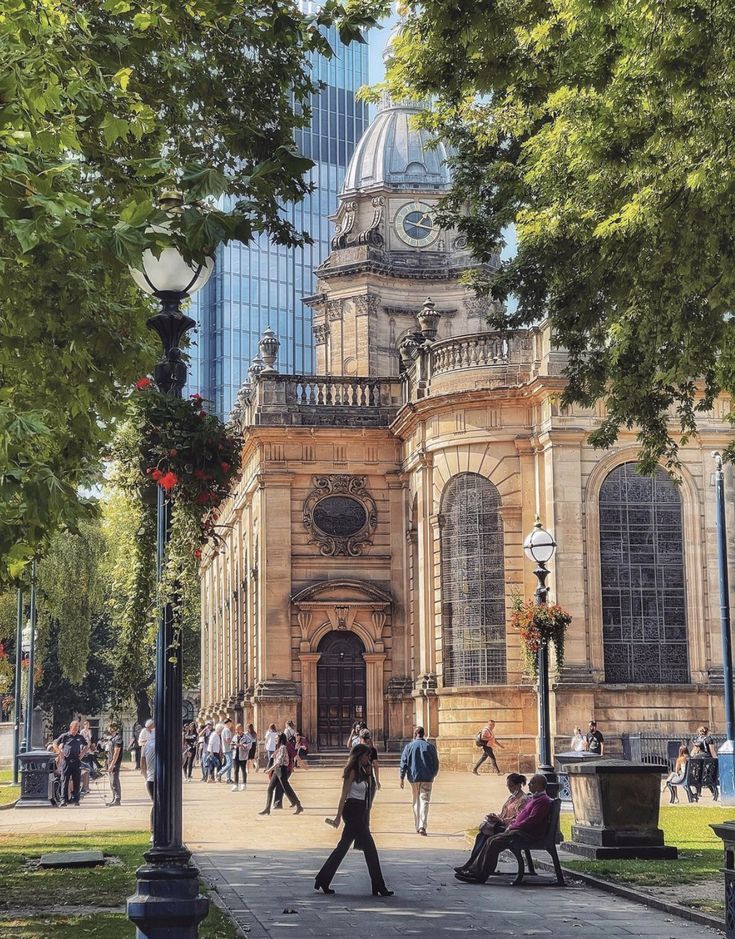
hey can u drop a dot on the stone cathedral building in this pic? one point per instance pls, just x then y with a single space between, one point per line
373 547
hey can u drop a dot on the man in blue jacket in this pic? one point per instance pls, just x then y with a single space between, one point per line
420 762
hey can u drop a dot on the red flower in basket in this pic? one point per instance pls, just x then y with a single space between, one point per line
143 383
225 467
168 481
198 553
156 474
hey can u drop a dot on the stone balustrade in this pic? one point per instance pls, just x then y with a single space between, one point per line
313 400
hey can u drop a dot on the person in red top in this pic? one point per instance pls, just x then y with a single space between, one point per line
489 742
529 824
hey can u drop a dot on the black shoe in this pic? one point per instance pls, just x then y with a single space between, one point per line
114 802
459 870
277 806
467 878
299 809
422 831
265 812
322 887
382 892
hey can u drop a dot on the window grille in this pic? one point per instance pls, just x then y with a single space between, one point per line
643 587
473 583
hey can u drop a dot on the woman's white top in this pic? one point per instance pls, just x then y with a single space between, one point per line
271 740
578 743
358 790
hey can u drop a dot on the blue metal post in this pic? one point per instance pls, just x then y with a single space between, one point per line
726 753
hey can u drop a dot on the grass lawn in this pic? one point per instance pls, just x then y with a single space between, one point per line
44 891
700 855
8 792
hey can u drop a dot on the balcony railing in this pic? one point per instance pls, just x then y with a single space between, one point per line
311 400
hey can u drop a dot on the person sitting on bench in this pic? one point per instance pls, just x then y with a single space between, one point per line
494 823
529 825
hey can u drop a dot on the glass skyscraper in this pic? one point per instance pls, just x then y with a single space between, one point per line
260 284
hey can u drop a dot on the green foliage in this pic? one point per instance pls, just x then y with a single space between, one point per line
73 559
62 697
102 104
603 132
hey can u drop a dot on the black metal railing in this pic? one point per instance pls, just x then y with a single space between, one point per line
659 748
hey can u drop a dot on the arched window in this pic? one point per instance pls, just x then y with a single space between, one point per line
643 588
473 583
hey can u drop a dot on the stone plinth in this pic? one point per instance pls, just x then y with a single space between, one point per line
616 806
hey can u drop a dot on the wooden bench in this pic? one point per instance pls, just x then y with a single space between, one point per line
547 843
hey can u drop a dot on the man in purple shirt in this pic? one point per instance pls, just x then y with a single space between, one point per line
529 825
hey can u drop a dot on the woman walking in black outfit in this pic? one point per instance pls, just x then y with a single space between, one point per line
280 775
354 808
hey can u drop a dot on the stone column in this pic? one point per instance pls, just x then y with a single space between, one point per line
375 692
399 568
425 587
275 587
309 712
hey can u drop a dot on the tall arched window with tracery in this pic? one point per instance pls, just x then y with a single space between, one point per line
473 583
644 624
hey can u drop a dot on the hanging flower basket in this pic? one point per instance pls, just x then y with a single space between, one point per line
183 449
537 624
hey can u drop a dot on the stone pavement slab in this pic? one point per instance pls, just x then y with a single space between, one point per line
263 866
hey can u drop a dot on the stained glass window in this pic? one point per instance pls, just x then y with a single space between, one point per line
644 623
473 583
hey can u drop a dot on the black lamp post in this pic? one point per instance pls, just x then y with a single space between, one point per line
539 547
18 686
28 645
726 753
167 903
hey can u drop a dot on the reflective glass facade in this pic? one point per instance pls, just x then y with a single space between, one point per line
259 285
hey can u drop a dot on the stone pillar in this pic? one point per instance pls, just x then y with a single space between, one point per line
426 640
399 566
309 712
375 692
275 588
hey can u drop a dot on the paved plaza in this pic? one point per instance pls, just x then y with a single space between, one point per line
263 867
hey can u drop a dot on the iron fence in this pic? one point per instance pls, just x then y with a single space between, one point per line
659 748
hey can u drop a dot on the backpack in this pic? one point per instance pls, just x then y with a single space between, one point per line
479 742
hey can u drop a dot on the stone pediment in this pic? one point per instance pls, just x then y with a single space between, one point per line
342 591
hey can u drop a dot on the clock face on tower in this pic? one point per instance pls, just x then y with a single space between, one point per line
415 225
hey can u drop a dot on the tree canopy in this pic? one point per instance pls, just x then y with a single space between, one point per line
102 104
603 131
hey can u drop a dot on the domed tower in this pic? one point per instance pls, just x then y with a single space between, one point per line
388 253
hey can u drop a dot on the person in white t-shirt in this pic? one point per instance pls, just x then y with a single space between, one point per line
271 742
226 736
148 766
578 741
214 752
143 738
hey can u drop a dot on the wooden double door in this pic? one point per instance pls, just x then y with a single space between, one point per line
341 688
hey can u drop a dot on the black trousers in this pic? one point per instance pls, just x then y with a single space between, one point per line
487 754
115 783
278 795
241 766
480 840
189 763
487 858
280 778
71 772
356 829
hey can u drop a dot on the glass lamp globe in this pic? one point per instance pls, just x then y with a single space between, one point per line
169 273
539 546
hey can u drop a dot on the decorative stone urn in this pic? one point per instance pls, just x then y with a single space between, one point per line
268 347
616 807
409 348
428 317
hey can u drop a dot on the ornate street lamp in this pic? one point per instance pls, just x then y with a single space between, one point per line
167 902
539 547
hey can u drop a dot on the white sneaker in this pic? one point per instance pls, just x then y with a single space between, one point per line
242 788
235 789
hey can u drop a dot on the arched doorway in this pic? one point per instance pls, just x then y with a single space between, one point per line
341 693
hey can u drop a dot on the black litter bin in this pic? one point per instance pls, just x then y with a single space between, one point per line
36 778
726 831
